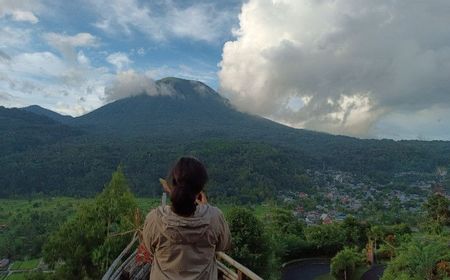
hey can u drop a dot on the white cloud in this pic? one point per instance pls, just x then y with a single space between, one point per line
119 60
161 20
38 64
20 10
141 51
131 83
53 82
83 59
24 16
5 97
4 56
67 44
427 124
353 62
15 38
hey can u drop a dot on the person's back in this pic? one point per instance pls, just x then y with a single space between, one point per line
184 237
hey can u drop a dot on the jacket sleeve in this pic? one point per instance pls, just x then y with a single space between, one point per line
149 232
224 235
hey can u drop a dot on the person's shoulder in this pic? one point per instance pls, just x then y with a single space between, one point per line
215 211
155 213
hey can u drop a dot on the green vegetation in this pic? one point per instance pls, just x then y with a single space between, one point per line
438 213
344 264
425 254
25 265
87 244
86 237
250 246
423 257
17 276
28 223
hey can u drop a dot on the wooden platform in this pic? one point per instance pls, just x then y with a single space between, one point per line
125 266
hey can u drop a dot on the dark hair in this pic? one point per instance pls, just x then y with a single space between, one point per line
187 179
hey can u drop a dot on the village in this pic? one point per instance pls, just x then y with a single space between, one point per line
335 194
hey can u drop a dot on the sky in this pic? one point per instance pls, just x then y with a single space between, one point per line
364 68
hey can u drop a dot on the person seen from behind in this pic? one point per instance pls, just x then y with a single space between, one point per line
183 238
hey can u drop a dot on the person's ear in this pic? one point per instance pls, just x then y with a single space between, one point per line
165 186
201 198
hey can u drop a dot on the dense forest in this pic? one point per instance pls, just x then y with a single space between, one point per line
249 157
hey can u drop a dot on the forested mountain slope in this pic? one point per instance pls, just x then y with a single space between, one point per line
21 131
248 156
38 110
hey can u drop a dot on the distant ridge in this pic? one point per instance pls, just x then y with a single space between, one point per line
48 113
21 130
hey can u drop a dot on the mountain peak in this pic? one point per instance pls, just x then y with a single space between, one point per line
186 87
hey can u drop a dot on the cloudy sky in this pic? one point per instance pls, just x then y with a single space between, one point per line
372 69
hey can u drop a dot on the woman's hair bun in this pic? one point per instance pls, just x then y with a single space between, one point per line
188 178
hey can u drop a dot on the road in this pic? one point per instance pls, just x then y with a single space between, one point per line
306 269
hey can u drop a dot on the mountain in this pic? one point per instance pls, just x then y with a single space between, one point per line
38 110
248 157
192 112
183 107
21 130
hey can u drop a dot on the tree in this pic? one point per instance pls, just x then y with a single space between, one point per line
327 239
86 245
286 232
375 233
344 263
355 232
283 221
250 246
423 257
438 213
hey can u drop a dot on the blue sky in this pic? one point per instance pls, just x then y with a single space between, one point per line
62 54
371 69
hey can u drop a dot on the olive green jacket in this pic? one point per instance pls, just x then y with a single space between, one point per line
185 247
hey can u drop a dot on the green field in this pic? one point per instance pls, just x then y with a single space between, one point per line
325 277
16 276
9 208
25 265
260 210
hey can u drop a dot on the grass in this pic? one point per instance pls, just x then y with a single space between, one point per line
260 210
146 204
25 265
16 276
11 207
325 277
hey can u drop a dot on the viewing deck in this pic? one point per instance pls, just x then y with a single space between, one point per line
125 266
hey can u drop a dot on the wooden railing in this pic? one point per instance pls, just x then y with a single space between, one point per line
233 270
126 267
